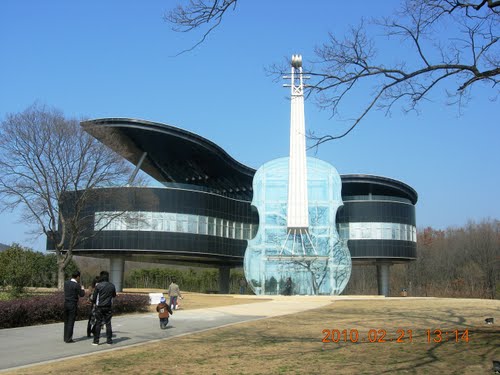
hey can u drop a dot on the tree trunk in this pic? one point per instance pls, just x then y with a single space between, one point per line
60 275
62 262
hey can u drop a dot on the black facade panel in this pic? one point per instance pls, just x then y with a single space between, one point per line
163 241
167 200
376 212
173 200
196 202
382 249
360 184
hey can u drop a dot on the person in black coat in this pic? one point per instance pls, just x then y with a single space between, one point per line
288 287
72 292
103 297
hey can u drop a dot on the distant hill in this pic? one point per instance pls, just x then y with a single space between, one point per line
3 247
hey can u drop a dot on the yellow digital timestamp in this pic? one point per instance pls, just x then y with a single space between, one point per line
397 336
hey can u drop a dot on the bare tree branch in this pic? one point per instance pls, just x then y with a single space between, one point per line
455 43
197 14
345 66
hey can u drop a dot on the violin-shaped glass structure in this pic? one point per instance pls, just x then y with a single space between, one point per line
297 249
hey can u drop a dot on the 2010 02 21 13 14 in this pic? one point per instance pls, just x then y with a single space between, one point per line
398 336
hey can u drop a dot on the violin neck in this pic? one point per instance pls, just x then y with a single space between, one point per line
297 217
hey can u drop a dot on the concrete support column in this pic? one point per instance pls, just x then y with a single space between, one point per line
224 279
383 277
116 268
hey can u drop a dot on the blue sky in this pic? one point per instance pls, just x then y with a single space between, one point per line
98 59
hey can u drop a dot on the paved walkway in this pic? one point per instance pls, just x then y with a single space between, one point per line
26 346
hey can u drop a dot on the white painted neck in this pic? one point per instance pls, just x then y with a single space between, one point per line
297 217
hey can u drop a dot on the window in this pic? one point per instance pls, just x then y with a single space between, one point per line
238 231
202 225
193 224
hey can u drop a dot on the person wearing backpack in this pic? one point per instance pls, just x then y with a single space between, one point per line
164 311
103 297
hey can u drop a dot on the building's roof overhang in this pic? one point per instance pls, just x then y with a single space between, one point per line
377 185
173 155
178 156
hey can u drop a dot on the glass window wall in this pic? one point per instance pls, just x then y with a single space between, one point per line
172 222
377 231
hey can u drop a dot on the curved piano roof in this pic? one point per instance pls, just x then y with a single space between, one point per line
174 155
178 156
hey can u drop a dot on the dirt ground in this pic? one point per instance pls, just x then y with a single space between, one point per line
191 300
377 336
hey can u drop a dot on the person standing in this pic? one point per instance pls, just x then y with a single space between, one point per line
243 285
104 293
288 287
72 292
173 293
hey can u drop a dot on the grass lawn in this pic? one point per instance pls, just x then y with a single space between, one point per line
302 344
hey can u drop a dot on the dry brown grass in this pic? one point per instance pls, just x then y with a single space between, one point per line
193 300
293 344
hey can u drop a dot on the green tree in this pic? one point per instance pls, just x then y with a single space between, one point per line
21 267
16 265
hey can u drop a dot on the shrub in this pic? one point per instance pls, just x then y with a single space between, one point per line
31 311
128 303
189 280
50 309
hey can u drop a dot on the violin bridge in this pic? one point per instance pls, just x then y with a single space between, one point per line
305 239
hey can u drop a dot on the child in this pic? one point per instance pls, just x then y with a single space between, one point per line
164 311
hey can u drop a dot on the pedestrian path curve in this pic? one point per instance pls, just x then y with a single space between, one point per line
25 346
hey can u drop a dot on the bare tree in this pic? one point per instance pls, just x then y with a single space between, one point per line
483 243
458 262
43 158
452 42
198 14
